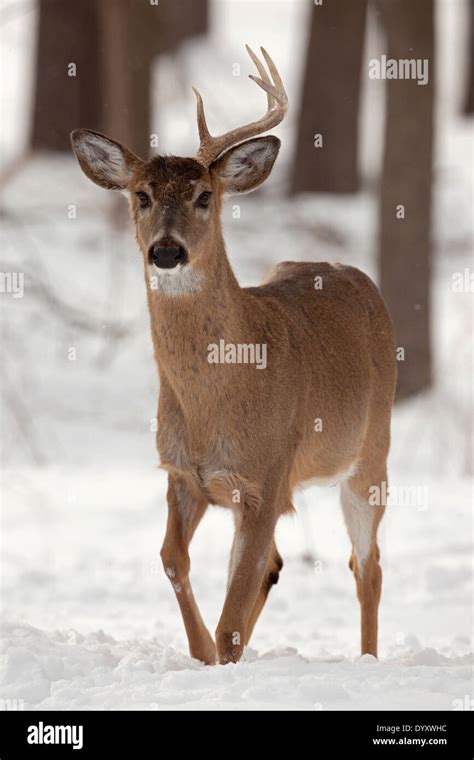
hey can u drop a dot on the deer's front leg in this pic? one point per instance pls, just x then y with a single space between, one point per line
186 508
255 540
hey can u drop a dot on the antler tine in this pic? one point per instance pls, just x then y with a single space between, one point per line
201 117
276 88
261 70
273 71
269 88
277 104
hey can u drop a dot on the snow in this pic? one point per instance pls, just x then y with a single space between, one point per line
92 620
70 671
89 617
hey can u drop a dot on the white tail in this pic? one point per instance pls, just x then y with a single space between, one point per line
260 388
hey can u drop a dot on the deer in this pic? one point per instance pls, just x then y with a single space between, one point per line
237 435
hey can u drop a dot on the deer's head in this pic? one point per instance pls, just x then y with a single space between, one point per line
175 201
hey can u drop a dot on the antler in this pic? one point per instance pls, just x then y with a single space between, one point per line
211 147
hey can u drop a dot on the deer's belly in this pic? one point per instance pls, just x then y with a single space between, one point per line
213 471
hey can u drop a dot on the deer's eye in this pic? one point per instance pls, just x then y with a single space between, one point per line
203 200
143 200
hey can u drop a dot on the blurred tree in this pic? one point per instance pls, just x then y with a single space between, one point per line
94 65
134 32
469 97
129 31
406 190
330 100
68 89
183 19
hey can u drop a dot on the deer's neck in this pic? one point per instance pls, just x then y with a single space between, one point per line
186 326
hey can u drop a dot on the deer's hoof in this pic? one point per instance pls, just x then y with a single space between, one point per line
230 645
205 651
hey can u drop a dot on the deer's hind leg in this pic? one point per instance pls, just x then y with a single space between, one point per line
362 519
186 507
272 573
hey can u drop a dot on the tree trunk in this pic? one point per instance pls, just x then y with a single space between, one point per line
183 20
405 243
112 44
330 100
469 97
68 34
128 31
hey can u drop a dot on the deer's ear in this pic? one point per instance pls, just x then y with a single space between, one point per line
104 161
243 168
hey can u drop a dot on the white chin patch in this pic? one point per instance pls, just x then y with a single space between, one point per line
174 282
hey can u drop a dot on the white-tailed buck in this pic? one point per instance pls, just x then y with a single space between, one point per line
261 388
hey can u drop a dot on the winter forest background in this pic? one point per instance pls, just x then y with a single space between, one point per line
90 620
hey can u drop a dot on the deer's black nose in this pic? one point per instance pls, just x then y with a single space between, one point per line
166 256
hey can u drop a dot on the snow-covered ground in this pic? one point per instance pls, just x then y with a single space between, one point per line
90 621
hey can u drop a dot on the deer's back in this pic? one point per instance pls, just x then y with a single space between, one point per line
321 289
334 309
